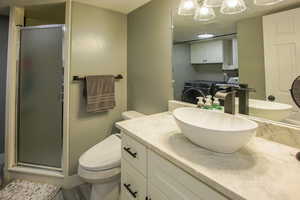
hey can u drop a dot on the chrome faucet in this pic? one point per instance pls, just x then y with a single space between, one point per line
229 100
228 95
243 94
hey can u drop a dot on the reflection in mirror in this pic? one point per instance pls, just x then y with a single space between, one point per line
248 60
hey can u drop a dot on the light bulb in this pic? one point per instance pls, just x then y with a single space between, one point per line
232 3
204 10
187 7
233 7
204 13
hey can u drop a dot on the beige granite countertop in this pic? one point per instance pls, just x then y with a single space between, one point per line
262 170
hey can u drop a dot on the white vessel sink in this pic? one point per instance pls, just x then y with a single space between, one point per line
268 110
213 130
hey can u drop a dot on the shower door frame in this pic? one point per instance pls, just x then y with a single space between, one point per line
22 164
11 169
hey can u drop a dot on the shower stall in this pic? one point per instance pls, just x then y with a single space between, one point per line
40 97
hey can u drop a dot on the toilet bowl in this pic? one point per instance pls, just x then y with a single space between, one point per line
101 165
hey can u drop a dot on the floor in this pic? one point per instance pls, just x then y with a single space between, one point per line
81 192
27 190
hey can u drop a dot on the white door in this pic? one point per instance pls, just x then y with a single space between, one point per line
282 53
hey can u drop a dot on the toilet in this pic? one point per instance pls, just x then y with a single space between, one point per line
101 165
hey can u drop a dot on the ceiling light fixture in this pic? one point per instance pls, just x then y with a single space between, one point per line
187 7
204 13
213 3
230 7
205 36
266 2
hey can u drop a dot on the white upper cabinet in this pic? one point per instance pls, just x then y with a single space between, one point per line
216 52
207 52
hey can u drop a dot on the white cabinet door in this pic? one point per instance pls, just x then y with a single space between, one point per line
134 153
198 53
282 53
155 194
214 53
175 184
235 52
133 183
207 52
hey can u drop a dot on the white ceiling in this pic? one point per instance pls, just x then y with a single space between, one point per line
187 29
123 6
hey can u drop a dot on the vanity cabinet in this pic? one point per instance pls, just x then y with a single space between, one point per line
160 179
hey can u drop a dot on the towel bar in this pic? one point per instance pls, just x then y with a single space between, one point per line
78 78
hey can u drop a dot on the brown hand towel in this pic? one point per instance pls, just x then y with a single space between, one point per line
100 93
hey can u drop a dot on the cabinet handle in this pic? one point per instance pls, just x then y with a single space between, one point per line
128 150
127 186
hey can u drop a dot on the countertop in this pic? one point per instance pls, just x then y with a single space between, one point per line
261 170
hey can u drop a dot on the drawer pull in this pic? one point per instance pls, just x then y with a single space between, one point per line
128 150
127 186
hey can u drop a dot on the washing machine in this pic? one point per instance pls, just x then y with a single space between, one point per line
198 88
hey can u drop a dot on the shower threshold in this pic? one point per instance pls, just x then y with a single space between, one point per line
39 167
36 171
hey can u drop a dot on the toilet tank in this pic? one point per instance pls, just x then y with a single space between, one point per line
131 114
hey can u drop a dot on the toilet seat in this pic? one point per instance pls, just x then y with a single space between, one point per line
104 156
100 166
98 176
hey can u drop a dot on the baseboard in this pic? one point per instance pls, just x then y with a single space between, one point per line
72 181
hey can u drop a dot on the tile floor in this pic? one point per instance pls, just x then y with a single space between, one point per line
27 190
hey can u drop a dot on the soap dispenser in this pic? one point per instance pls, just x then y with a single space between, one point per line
209 101
201 102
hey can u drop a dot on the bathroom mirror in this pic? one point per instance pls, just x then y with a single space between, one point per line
257 47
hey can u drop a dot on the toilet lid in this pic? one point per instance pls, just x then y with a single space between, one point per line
103 156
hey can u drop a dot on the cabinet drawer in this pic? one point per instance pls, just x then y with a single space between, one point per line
133 184
175 183
135 153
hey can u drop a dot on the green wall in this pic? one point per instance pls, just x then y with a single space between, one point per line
251 55
150 57
4 22
45 14
98 47
150 53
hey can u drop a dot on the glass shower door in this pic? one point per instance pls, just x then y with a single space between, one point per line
40 99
